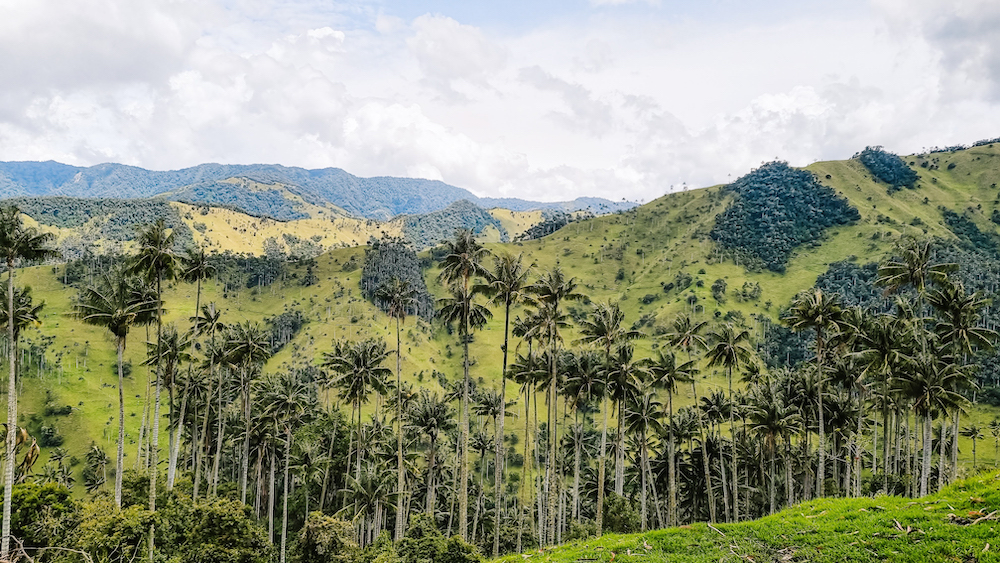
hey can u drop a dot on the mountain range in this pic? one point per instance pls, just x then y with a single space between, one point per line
281 192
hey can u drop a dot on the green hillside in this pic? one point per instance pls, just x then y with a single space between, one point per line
957 524
657 261
626 257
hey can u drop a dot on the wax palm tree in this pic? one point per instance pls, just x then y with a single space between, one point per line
584 384
287 400
207 322
18 244
774 420
551 291
358 371
625 375
463 263
505 284
665 373
973 432
994 428
685 333
246 348
171 354
118 302
156 261
431 416
822 313
642 415
399 298
605 329
195 268
730 351
929 382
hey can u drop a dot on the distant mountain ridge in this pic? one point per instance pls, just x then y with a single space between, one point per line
379 198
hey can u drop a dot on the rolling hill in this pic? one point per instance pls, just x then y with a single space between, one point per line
640 257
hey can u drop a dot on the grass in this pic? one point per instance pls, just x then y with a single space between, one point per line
648 245
957 524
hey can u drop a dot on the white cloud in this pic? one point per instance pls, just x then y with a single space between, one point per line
624 104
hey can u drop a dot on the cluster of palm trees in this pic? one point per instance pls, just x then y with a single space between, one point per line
858 418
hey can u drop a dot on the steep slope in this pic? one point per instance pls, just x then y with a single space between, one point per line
637 257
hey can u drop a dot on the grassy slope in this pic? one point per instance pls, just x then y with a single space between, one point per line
670 235
866 529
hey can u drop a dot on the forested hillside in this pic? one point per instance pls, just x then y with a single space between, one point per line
654 375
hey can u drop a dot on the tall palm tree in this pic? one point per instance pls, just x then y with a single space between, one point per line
207 322
286 399
551 291
641 416
462 264
685 333
606 330
358 371
18 244
399 298
505 284
195 268
625 375
156 261
774 419
973 432
730 351
929 382
665 373
822 313
117 302
246 348
432 416
584 384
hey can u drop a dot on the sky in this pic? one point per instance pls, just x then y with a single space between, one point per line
540 99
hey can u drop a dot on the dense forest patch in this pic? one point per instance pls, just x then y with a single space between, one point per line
887 167
393 258
430 229
776 208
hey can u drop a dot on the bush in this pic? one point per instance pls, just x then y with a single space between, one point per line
38 512
620 515
324 539
719 290
423 542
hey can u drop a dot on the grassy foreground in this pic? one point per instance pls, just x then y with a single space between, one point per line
962 523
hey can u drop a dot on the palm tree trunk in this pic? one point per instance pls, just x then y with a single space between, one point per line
219 439
671 463
925 473
500 465
8 485
154 450
821 466
789 481
120 459
246 434
772 493
620 452
284 496
642 497
463 464
601 465
954 446
705 461
270 501
176 450
732 435
199 450
942 456
400 477
553 439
